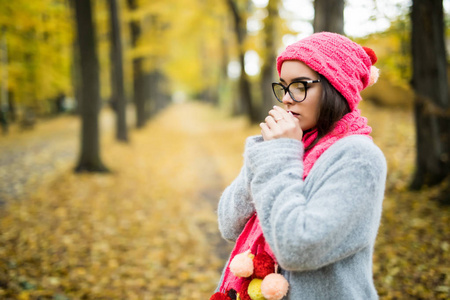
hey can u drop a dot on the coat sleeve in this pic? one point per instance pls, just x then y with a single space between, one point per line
338 215
236 203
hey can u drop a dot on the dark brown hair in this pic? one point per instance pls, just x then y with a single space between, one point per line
332 107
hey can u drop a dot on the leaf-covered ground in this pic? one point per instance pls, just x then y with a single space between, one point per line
148 229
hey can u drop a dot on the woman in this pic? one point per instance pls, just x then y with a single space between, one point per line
309 196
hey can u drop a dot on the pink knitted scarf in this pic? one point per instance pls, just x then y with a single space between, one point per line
252 236
352 123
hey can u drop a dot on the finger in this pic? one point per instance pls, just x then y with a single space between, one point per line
276 128
270 122
265 131
283 113
287 115
275 115
292 117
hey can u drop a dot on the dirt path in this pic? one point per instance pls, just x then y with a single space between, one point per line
147 230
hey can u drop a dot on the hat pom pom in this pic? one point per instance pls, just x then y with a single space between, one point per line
274 287
372 55
242 264
374 74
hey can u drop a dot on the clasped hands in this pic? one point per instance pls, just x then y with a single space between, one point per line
281 124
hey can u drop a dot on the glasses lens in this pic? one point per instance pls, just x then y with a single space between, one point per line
278 90
298 91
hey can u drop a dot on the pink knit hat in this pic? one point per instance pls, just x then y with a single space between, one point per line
346 65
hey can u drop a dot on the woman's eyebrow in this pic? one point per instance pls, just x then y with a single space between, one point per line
297 79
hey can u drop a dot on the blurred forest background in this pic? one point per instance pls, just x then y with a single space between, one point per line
123 120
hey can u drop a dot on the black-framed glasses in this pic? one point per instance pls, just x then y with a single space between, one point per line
296 89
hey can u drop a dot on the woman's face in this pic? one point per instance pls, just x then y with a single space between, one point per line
307 111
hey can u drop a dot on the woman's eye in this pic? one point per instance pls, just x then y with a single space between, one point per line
298 86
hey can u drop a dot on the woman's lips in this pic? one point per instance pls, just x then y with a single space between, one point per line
294 113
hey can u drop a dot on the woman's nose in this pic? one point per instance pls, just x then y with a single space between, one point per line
287 100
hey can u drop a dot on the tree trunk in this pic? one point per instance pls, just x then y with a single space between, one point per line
329 16
156 92
12 116
75 67
431 103
224 80
76 77
90 93
4 101
245 92
268 69
117 83
138 71
244 82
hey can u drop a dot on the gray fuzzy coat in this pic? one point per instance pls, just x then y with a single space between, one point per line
322 230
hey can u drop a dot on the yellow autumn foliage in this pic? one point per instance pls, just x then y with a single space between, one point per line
37 39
